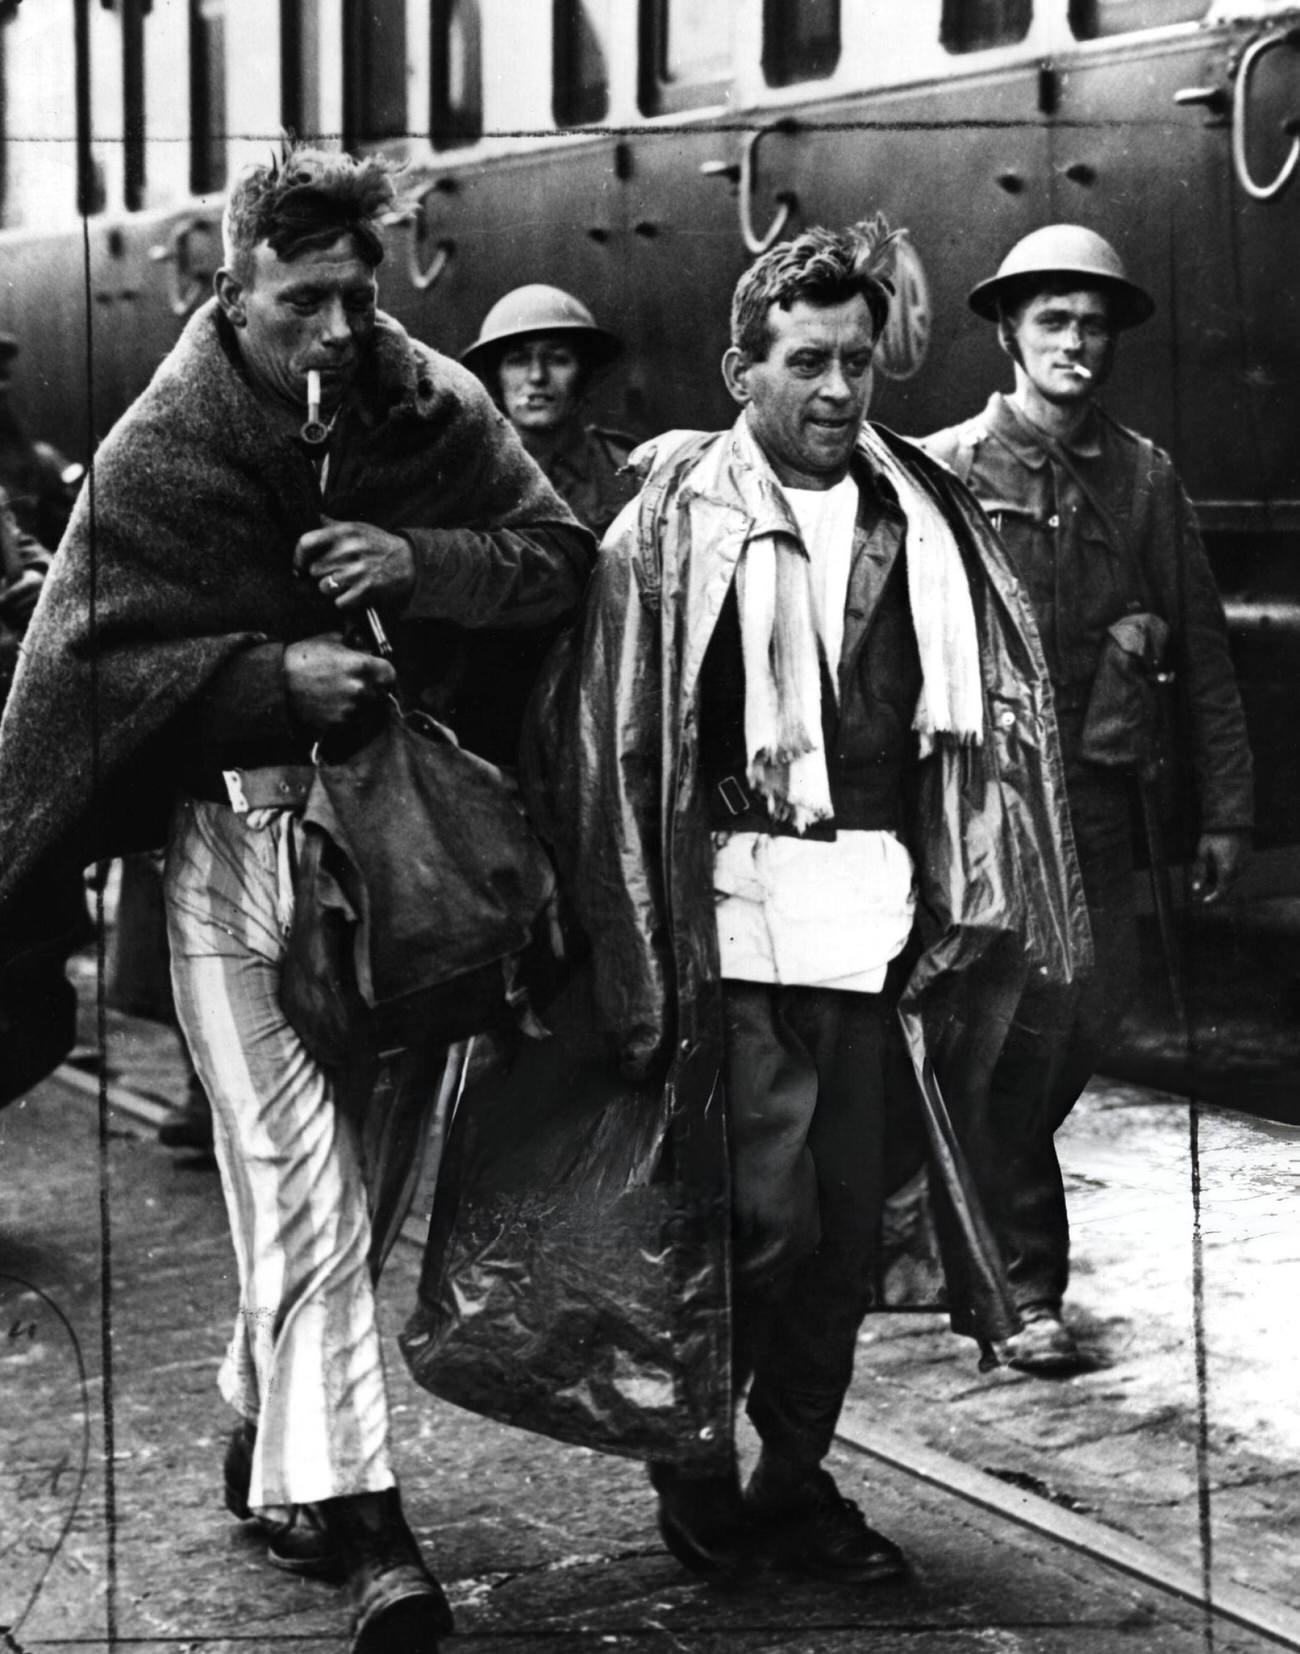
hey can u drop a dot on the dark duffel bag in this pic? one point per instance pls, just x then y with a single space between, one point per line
419 887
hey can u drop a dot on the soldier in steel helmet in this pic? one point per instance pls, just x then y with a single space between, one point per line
1099 528
537 352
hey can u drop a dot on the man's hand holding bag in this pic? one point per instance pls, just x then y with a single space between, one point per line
425 886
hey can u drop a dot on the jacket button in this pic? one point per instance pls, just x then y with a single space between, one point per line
1053 521
1007 718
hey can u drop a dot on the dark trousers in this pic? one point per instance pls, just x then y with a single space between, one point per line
1053 1046
806 1109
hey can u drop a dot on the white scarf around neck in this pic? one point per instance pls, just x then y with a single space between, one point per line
783 713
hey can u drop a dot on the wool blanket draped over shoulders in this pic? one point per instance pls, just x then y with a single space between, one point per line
179 556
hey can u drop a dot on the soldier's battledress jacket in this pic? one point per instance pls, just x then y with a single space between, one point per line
588 474
1080 580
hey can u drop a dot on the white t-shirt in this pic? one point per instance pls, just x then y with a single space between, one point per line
805 912
826 519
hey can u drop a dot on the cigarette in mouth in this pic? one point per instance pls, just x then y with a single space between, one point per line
313 429
1078 367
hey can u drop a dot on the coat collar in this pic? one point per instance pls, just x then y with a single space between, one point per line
1013 430
728 473
573 457
730 470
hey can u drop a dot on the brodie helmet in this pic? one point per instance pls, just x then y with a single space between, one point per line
1062 250
538 308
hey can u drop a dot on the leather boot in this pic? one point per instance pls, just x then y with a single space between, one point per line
804 1523
702 1519
297 1541
398 1606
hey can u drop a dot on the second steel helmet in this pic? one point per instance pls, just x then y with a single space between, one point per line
1063 250
538 308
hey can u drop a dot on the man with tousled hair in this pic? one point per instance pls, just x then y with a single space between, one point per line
199 634
780 787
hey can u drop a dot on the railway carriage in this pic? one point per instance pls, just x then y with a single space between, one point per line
640 152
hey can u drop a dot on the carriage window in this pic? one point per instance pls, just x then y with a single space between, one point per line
975 25
374 57
207 95
91 194
456 64
1092 19
300 68
800 42
685 54
46 87
581 35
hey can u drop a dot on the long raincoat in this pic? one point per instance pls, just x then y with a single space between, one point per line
614 786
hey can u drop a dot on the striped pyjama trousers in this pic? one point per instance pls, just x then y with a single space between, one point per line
304 1363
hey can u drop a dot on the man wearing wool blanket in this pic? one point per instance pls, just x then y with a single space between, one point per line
805 792
199 633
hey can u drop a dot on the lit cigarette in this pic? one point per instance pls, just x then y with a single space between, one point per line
1078 367
314 429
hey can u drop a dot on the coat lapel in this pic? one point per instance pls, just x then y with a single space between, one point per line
874 555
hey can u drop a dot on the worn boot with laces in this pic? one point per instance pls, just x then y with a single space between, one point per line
1044 1344
398 1606
297 1541
801 1521
702 1518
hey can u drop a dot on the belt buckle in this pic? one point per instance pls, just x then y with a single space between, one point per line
733 795
234 780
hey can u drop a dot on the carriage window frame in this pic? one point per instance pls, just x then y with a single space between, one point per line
92 197
300 68
981 25
791 61
209 149
8 11
374 72
1104 19
134 149
455 124
574 103
659 92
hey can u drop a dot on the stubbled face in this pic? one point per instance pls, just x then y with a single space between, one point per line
315 311
808 396
540 382
1056 334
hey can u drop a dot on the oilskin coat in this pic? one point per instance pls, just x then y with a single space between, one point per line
613 784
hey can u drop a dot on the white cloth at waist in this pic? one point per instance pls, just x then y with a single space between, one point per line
811 912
